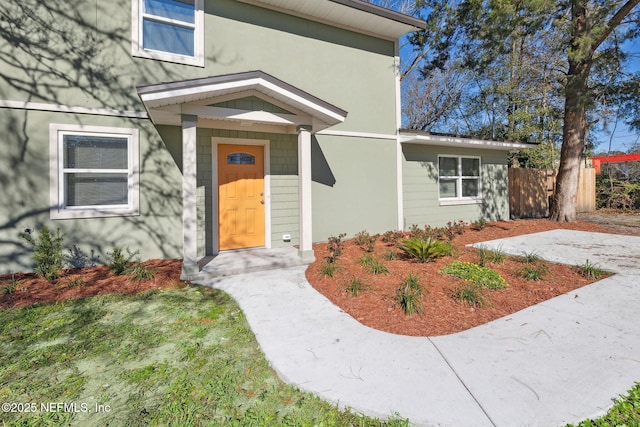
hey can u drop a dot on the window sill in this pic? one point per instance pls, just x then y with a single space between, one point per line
92 213
456 202
197 61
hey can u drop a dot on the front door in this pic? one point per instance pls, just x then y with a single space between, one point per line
240 196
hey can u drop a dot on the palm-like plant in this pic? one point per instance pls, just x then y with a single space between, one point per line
424 250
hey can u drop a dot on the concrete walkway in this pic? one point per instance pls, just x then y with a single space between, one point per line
557 362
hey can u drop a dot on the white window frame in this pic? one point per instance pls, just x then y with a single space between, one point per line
57 172
459 200
137 49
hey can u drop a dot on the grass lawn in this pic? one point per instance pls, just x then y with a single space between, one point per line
164 357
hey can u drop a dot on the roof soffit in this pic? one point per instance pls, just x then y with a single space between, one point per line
353 15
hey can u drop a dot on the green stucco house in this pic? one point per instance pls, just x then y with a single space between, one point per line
182 128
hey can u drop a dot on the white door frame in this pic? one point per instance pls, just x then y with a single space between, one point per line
265 143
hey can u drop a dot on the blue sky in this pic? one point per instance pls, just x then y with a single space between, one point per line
618 136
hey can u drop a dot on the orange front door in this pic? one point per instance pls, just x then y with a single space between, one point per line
240 196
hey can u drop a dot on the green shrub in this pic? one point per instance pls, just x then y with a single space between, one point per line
470 293
390 255
12 286
455 228
474 273
490 255
590 270
480 223
424 250
47 252
533 271
373 265
139 272
409 296
75 283
329 269
335 245
366 241
530 257
355 286
119 262
392 237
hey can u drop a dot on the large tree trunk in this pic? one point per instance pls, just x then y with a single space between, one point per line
563 205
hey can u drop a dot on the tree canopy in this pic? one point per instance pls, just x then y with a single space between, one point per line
536 70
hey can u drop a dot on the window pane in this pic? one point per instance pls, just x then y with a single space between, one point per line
179 10
448 188
168 38
95 152
470 167
448 166
240 159
470 188
94 189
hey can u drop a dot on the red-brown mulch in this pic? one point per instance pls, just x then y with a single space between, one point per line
86 282
376 306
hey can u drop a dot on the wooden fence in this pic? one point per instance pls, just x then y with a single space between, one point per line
530 191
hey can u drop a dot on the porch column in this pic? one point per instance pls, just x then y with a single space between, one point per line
189 199
304 192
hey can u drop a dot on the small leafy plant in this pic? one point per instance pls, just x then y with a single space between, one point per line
75 283
391 237
530 257
335 246
119 262
373 265
329 269
424 250
470 293
47 252
486 255
590 270
480 223
366 241
455 228
390 255
355 286
12 286
409 296
474 273
140 272
534 271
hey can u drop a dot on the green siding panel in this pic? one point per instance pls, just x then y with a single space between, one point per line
420 186
354 186
24 174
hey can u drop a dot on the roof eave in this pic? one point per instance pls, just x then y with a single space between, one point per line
396 24
407 137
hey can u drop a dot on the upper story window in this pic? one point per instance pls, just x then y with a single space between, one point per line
169 30
94 171
459 179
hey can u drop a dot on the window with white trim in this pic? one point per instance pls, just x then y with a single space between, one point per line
169 30
459 179
94 171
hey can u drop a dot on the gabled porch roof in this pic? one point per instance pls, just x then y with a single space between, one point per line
167 102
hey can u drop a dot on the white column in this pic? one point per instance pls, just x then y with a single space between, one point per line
304 192
189 199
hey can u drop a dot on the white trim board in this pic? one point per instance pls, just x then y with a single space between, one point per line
59 108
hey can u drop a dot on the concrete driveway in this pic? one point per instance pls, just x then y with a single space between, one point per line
558 362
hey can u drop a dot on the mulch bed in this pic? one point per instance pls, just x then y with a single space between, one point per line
443 314
86 282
